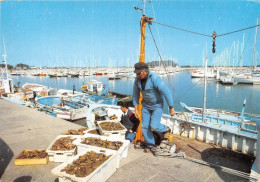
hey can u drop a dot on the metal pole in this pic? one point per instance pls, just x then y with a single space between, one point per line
205 90
253 64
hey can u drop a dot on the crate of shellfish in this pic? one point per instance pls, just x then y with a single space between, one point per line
31 157
94 131
75 131
62 148
112 128
90 140
94 164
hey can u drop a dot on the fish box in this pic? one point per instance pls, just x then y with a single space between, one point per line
61 155
115 133
75 131
93 131
31 161
122 152
101 173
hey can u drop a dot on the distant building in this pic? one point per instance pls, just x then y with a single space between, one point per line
165 63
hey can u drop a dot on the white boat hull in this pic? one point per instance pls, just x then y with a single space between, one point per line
217 134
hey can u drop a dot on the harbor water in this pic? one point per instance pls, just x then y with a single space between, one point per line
183 87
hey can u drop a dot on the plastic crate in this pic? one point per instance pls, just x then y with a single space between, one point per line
122 152
87 131
33 161
102 173
120 134
61 156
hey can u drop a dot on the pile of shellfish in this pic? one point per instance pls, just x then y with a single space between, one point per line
114 145
75 131
111 126
32 154
113 117
64 143
94 131
85 164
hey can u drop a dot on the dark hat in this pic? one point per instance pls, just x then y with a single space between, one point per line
139 67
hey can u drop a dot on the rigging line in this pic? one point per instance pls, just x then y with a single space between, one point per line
191 87
183 29
156 25
237 31
206 34
165 68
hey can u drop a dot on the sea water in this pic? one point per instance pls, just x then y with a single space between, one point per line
182 86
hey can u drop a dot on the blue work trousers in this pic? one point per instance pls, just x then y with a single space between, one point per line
151 119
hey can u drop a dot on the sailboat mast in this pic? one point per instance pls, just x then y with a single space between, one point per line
253 64
4 55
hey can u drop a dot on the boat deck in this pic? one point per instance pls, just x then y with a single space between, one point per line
24 128
213 154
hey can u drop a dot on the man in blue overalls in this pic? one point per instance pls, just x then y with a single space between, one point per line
153 90
104 91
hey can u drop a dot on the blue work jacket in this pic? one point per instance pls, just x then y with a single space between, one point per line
105 91
153 93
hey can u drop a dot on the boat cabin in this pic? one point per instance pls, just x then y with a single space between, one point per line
6 85
93 86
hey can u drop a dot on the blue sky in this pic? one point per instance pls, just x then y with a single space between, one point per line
107 33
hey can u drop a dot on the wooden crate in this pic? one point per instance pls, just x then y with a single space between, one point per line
34 161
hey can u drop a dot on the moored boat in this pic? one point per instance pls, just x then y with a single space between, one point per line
233 137
62 108
94 87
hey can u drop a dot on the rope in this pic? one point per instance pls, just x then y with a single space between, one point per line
238 30
156 26
205 35
164 67
182 29
191 87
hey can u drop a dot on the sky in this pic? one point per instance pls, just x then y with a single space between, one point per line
107 32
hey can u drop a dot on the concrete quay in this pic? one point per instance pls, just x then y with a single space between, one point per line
25 128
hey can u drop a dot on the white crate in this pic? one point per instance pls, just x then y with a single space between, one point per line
86 131
102 173
122 152
61 156
116 133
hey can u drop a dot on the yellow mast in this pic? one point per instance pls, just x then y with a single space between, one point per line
144 20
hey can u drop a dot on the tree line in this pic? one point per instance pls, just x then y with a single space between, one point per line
18 66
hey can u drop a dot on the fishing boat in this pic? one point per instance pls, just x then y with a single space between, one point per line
235 137
70 105
224 114
62 107
36 88
94 87
68 93
93 99
11 92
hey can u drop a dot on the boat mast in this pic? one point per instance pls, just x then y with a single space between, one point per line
253 64
144 20
4 55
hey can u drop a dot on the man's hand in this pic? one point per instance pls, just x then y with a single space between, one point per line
130 131
172 111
